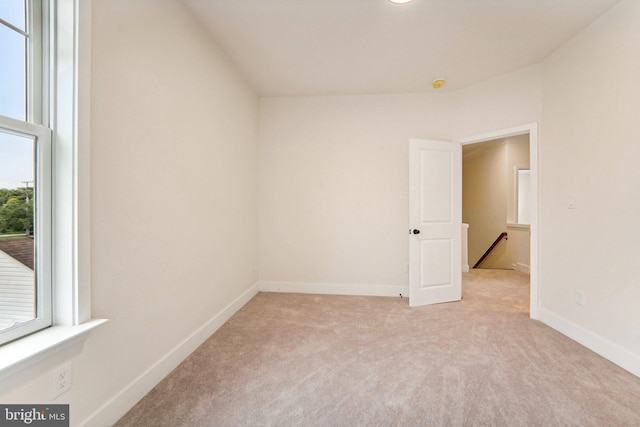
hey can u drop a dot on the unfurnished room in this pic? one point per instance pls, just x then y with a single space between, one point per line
319 213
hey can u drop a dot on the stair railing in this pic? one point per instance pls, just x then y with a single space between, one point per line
502 235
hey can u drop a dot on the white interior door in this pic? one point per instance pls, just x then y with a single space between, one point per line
435 218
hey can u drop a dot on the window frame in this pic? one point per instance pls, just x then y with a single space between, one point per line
69 114
35 127
38 65
36 59
41 137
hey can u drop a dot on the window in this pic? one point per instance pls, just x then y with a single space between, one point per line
65 118
25 172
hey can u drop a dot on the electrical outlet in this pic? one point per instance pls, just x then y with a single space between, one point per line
60 380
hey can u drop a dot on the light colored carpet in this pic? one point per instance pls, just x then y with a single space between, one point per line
320 360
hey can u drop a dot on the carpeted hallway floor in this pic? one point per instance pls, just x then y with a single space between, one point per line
320 360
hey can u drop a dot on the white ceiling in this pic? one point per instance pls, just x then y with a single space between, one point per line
332 47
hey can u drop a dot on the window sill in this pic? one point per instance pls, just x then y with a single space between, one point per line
34 348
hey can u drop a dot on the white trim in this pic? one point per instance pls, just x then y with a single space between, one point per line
37 64
65 219
522 268
117 406
335 289
465 247
34 348
532 130
516 191
605 348
497 134
14 28
522 226
82 118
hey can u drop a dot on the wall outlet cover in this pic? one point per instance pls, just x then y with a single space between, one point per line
60 380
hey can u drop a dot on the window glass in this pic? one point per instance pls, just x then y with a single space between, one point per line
13 75
13 11
25 173
17 275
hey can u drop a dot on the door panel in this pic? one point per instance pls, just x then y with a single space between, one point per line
436 256
435 203
435 217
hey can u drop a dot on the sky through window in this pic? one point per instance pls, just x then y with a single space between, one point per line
16 153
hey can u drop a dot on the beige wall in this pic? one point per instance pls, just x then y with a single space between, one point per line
509 100
484 201
174 141
174 202
519 248
517 155
334 185
334 178
488 201
519 243
590 151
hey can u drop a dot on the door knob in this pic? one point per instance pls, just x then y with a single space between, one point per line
416 231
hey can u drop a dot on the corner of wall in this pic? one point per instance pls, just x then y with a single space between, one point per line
115 408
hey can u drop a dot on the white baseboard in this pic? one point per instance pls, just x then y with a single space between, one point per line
523 268
465 268
335 289
116 407
605 348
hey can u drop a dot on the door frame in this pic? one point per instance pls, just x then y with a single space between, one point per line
532 130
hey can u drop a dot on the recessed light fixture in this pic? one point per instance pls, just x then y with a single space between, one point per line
437 83
400 1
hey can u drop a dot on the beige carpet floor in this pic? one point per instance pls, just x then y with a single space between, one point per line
320 360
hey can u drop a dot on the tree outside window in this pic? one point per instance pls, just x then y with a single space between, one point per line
16 211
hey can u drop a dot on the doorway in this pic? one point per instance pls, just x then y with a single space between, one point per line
475 143
495 196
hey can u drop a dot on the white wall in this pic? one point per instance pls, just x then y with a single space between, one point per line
590 151
586 99
320 155
503 102
174 205
333 175
334 185
333 190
